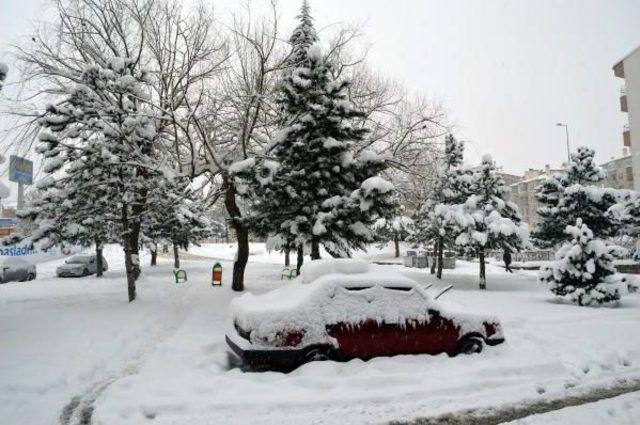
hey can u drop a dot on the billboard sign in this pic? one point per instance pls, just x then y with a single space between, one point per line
8 222
20 170
16 251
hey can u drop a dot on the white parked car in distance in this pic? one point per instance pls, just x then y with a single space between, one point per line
80 265
15 269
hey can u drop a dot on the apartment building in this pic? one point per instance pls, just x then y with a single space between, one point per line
619 172
629 69
523 193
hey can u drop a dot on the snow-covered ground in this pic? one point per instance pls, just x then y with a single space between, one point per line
162 360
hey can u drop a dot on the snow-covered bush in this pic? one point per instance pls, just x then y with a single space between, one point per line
583 271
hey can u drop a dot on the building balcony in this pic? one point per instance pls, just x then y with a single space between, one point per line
626 136
618 69
623 100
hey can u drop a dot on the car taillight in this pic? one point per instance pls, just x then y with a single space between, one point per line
493 329
290 339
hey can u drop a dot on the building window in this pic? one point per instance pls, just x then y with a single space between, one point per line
629 174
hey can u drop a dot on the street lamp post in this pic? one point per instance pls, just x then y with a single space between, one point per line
566 129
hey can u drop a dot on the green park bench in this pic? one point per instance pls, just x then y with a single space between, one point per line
180 275
289 273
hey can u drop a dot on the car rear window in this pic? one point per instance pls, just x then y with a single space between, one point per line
399 288
357 288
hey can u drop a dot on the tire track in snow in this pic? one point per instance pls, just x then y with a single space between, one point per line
79 410
508 413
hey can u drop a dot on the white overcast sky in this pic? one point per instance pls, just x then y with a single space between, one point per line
507 71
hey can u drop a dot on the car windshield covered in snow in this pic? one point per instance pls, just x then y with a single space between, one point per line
79 259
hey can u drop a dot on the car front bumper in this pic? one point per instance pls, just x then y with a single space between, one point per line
494 341
263 359
68 273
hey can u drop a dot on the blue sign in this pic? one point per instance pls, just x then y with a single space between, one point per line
15 251
20 170
8 222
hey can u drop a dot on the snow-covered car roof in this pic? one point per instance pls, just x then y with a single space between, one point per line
14 260
79 258
348 272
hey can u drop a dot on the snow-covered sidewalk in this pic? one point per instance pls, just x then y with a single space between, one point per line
621 410
163 358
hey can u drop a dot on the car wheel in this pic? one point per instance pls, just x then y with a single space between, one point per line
31 276
317 354
471 345
85 272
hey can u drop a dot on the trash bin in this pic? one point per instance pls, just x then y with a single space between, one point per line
407 260
420 261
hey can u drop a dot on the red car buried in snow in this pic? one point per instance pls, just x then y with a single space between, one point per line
346 309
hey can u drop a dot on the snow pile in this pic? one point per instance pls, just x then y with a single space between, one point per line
315 269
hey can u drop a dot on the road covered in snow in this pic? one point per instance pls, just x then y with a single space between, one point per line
74 350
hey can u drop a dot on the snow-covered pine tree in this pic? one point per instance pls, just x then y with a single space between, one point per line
174 216
625 215
103 119
312 191
451 187
485 220
574 195
583 271
74 205
398 228
303 37
550 231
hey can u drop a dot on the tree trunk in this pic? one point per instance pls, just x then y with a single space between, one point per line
135 248
483 277
396 242
315 249
440 256
300 259
176 257
99 264
154 257
287 257
242 234
128 260
434 257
